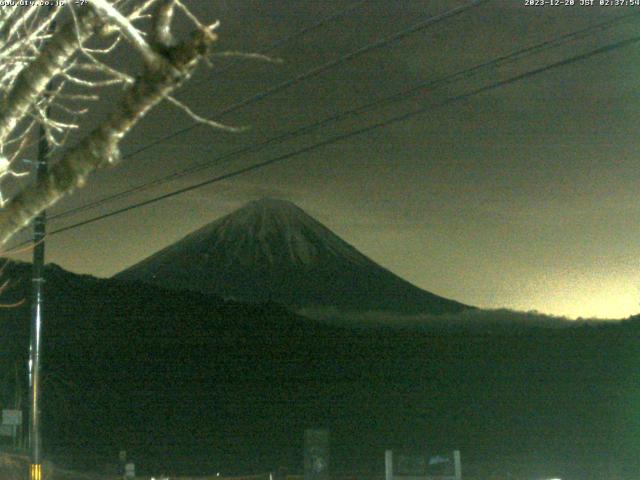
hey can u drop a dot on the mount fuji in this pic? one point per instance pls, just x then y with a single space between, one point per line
272 251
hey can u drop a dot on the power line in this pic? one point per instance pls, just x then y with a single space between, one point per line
362 130
431 20
431 84
318 70
297 34
304 76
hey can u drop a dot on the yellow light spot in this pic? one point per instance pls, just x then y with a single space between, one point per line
36 472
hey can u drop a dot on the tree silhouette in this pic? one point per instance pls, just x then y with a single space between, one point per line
55 61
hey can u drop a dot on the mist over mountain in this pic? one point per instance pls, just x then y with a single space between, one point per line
271 250
471 320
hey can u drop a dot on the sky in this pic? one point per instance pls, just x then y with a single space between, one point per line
521 197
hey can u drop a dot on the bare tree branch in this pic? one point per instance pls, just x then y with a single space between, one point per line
101 147
48 76
248 56
161 28
200 119
33 80
110 14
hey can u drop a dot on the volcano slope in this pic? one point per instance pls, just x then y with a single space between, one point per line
271 250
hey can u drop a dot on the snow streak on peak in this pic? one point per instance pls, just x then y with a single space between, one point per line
278 232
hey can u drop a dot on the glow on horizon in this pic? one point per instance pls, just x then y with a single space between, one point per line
612 302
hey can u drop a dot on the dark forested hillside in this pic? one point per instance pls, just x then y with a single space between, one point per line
189 382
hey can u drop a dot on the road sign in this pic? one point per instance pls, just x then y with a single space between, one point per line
130 470
11 417
316 455
420 466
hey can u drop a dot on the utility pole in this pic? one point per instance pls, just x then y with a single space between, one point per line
37 301
39 232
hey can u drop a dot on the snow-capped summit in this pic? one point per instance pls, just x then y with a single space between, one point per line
271 250
276 232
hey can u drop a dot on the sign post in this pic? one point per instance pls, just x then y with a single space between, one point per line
316 455
420 466
129 470
11 420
